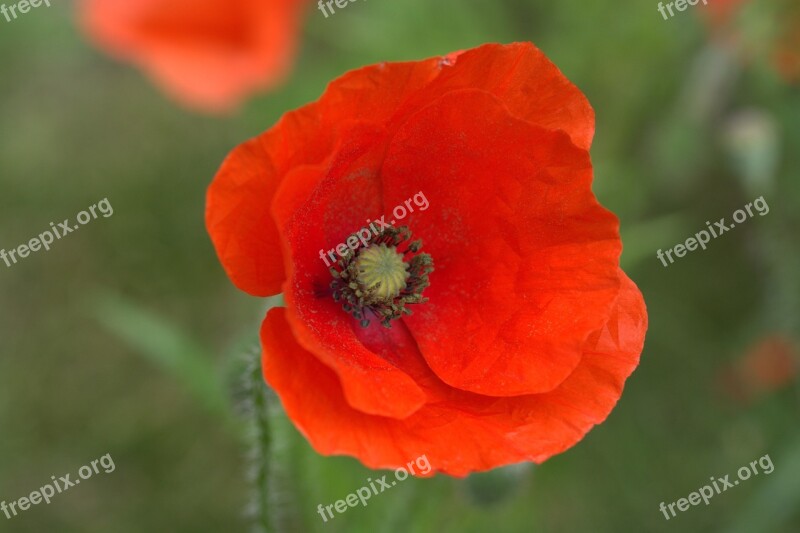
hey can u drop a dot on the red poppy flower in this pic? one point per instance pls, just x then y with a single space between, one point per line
521 338
208 54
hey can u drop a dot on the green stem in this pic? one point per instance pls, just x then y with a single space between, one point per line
261 444
273 505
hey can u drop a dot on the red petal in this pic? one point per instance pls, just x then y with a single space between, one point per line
371 383
238 202
238 216
385 95
526 259
458 432
529 85
239 221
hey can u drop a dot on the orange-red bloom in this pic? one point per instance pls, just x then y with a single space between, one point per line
530 328
208 54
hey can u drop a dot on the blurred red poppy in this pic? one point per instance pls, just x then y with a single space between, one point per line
527 329
769 365
738 30
721 12
787 54
207 54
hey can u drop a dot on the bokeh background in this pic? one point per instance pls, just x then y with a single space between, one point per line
127 338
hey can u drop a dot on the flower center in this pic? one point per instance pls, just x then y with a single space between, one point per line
382 268
381 280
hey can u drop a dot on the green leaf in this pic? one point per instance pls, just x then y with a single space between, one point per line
165 345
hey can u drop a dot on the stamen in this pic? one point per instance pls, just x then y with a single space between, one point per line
379 279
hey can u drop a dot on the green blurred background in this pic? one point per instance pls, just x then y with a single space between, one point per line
127 338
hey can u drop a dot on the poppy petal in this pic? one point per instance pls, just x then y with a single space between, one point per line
252 175
526 81
526 265
238 217
371 382
459 432
241 228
